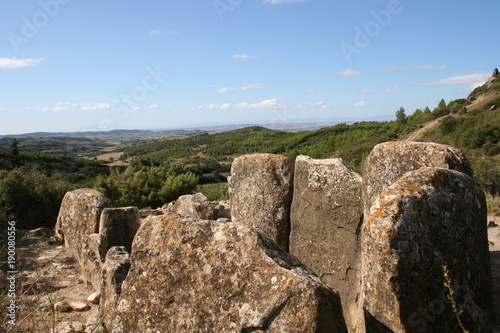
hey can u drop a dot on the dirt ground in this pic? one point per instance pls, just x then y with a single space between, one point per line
48 274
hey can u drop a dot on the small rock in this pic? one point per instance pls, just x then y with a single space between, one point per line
94 298
492 224
493 108
62 307
79 306
93 325
69 327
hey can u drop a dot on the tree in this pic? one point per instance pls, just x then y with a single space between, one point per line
442 104
401 116
14 153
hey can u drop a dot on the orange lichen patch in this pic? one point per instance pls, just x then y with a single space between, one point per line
289 283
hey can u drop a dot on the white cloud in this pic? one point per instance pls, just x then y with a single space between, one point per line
135 109
352 72
244 57
96 106
314 105
252 86
368 91
154 106
61 106
473 80
243 87
18 62
225 90
310 92
360 104
383 90
159 32
272 104
279 2
425 68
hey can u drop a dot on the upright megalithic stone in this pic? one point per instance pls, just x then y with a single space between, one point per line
79 217
388 161
260 190
327 212
429 218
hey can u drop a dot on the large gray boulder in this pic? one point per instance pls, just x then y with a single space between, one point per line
119 225
426 219
203 276
79 217
260 191
327 212
388 161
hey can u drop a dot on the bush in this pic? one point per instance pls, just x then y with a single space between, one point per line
30 198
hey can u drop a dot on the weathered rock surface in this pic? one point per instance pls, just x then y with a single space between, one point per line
199 207
389 161
194 205
260 191
79 217
94 252
113 273
426 219
119 225
203 276
327 212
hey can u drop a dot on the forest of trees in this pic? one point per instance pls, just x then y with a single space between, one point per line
32 184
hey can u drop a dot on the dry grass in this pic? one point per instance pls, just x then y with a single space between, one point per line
493 203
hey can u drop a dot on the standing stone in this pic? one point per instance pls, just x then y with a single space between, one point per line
260 191
428 218
113 273
202 276
79 217
327 212
93 256
389 161
118 226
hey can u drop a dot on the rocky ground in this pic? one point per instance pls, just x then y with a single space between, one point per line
494 238
48 277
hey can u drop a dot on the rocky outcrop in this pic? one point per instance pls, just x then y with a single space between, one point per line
203 276
390 160
79 217
260 191
426 219
327 212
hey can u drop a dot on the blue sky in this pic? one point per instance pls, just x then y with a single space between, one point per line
78 65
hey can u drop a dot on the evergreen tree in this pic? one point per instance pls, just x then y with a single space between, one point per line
401 116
